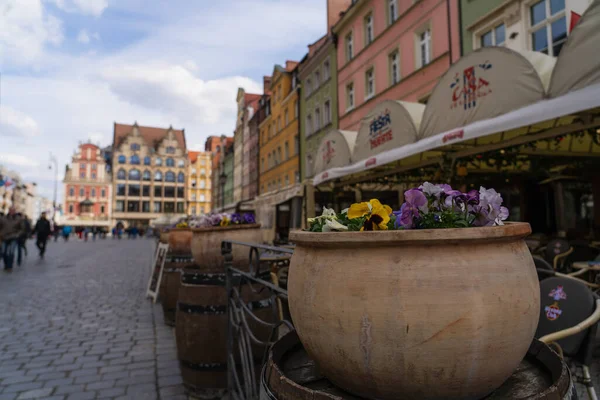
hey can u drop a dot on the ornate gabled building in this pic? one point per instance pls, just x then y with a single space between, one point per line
87 189
199 182
245 148
149 168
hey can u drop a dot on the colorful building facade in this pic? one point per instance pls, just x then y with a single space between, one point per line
217 146
149 167
199 182
246 148
392 50
87 189
541 25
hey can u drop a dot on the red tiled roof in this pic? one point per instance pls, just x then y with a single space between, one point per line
193 156
290 65
250 97
151 135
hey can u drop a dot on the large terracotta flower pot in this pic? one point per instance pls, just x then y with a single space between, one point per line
164 237
206 245
180 240
416 314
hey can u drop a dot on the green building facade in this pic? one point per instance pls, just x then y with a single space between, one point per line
470 12
318 100
228 164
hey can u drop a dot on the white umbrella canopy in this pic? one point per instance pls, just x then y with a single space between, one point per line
485 84
390 124
578 64
335 150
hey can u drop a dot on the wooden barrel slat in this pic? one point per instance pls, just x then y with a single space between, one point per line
290 374
170 283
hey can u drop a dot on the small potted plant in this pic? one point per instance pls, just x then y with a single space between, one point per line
211 229
437 300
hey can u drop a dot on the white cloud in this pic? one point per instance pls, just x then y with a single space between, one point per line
17 160
98 138
16 123
26 29
83 37
86 7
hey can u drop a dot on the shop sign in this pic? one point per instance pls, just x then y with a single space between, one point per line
370 162
453 135
553 312
328 152
473 88
380 129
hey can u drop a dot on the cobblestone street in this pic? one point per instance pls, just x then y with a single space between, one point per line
77 325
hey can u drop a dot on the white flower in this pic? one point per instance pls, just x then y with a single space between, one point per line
333 225
431 189
328 212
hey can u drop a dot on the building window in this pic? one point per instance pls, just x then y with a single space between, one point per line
296 145
157 206
121 189
494 37
193 197
158 191
180 177
349 47
94 167
147 161
170 150
71 191
180 208
278 124
548 26
70 208
262 164
82 174
158 176
180 192
202 198
120 205
317 79
102 209
93 175
424 48
286 149
287 181
309 125
170 162
193 171
170 176
395 67
368 29
103 193
121 174
279 158
269 160
133 190
308 87
317 119
193 210
202 162
295 109
181 163
146 190
326 72
146 176
134 159
202 172
326 113
297 177
133 206
122 159
134 146
169 192
286 119
275 159
392 11
369 84
202 184
158 161
134 175
145 206
193 183
93 192
349 96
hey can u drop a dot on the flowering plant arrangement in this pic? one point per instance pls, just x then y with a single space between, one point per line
222 219
430 206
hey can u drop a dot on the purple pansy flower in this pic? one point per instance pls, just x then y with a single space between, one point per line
248 218
236 218
414 203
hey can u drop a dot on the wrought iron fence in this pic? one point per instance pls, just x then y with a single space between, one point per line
257 314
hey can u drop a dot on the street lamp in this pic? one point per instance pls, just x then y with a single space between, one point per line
222 181
54 161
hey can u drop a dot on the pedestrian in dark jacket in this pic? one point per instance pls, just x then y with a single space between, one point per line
23 238
11 227
42 231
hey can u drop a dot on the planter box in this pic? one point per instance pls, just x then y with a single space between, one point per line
180 240
415 314
206 246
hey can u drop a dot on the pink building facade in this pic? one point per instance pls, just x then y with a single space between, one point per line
392 50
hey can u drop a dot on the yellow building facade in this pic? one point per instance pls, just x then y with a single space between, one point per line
279 140
199 182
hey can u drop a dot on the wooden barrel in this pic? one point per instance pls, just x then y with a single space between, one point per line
290 374
170 282
201 328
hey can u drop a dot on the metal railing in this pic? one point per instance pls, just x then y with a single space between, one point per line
260 281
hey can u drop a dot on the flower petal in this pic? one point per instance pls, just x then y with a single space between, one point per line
358 210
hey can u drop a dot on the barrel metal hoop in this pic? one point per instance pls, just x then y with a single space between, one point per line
202 309
221 367
204 279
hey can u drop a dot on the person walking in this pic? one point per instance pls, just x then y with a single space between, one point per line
10 231
66 232
42 231
22 241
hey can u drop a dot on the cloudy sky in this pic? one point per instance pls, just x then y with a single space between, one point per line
70 68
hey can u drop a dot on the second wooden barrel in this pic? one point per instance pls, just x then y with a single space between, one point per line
170 282
291 374
201 328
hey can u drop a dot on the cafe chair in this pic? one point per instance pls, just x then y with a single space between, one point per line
544 266
556 252
568 321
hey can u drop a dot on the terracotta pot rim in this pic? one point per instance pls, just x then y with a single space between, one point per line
509 231
224 228
179 229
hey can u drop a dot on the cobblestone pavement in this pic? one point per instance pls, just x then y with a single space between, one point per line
77 325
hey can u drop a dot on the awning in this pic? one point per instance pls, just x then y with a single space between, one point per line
485 84
578 64
335 150
390 124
